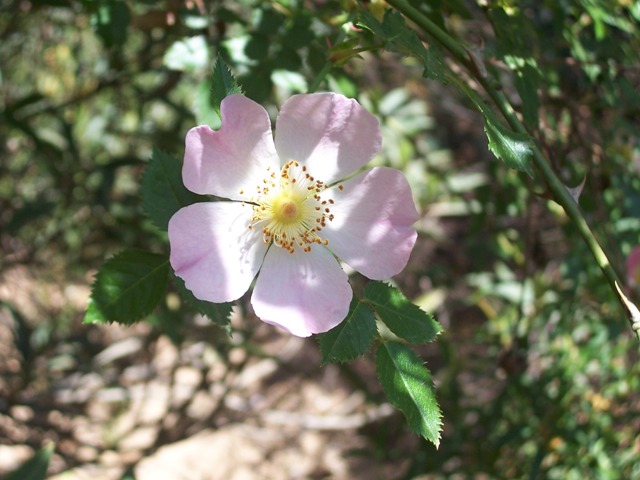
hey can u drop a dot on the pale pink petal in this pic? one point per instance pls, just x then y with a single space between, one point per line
372 225
232 161
332 135
213 250
303 292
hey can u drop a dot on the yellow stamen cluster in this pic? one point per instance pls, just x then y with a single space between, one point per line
289 208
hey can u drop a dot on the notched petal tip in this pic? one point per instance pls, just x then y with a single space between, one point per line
231 159
331 134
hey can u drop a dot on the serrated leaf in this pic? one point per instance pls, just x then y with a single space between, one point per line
205 114
223 84
351 338
398 37
92 314
513 148
403 318
35 468
218 313
128 287
394 32
409 387
435 67
163 192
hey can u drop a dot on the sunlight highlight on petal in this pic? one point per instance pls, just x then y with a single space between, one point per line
372 229
304 294
332 135
213 251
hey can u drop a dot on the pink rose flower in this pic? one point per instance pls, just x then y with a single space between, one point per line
289 209
633 267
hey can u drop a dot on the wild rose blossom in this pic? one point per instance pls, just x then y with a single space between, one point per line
289 209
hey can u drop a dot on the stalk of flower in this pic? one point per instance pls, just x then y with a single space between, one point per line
290 206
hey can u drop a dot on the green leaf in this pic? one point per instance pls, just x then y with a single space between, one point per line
409 387
218 313
127 287
163 192
223 84
402 317
204 111
35 468
93 315
397 37
351 338
513 148
435 67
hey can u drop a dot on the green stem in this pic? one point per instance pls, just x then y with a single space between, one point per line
320 77
329 65
558 190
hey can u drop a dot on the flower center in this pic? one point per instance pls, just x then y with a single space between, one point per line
289 209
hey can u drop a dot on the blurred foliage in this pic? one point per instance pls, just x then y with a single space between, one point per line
536 372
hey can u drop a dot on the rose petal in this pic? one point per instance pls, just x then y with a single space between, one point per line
303 292
329 133
372 225
213 250
232 161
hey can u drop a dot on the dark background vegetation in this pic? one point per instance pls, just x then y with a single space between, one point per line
537 371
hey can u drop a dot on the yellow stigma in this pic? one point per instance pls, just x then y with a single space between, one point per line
289 209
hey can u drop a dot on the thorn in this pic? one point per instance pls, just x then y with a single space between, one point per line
576 191
633 314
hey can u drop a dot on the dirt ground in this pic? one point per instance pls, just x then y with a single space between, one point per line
118 399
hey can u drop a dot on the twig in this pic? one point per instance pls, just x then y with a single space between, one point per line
558 190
